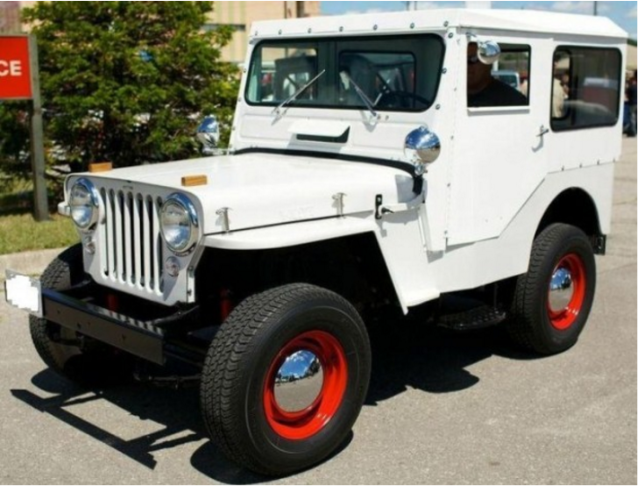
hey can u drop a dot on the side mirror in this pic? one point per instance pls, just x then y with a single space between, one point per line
488 51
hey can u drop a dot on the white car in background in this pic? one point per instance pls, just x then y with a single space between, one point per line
511 78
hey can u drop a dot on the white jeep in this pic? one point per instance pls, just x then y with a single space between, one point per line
372 167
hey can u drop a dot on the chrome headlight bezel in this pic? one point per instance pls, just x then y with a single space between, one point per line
93 205
185 245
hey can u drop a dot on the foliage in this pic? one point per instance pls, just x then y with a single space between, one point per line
128 81
14 144
16 183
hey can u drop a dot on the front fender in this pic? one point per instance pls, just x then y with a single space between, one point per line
293 234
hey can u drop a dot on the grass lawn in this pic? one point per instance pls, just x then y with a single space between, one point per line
19 233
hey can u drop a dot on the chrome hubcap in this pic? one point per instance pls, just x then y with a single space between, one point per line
560 289
298 381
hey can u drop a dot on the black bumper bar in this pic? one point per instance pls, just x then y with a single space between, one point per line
144 339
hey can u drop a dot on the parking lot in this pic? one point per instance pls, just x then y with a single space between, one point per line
442 408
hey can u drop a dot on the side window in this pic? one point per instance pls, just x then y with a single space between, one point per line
505 83
513 67
586 87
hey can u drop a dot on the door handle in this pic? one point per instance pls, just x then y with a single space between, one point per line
543 130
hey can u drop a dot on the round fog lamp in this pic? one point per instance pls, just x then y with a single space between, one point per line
89 246
172 266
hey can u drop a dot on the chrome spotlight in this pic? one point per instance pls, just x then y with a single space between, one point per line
421 147
209 134
488 52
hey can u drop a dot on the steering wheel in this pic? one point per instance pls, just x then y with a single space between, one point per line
399 99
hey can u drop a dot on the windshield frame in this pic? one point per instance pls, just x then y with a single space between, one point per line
311 42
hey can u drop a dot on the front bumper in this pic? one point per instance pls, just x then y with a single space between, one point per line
152 337
140 338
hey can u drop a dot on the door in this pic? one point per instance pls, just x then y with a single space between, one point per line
501 137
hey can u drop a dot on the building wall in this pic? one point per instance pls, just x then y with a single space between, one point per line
240 15
10 17
632 57
10 13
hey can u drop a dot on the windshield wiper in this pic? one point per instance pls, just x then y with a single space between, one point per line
365 99
299 92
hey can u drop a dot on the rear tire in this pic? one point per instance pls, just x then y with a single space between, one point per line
94 363
250 399
553 299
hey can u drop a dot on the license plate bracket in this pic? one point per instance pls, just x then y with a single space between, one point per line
23 292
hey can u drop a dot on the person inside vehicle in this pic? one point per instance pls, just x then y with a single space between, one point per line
557 96
560 86
483 90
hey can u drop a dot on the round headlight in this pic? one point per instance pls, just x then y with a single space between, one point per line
84 203
179 223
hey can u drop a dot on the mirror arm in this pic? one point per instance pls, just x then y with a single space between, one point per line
418 183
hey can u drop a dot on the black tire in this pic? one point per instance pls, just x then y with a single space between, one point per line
241 363
95 363
535 325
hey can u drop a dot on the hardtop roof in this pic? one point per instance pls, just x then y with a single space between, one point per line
533 21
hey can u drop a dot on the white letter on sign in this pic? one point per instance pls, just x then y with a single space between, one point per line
15 68
10 68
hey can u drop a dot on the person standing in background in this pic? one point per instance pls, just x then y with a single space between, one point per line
632 100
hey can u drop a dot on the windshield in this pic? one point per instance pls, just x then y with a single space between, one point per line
399 73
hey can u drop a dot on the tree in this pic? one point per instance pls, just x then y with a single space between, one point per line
127 82
14 143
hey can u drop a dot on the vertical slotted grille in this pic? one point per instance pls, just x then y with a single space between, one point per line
132 240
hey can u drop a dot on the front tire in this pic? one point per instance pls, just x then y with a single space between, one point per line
285 378
88 363
553 299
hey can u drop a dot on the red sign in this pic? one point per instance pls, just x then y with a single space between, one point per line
15 72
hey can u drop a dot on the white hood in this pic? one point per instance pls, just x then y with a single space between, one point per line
263 189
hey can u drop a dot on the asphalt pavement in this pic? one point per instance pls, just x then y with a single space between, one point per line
443 408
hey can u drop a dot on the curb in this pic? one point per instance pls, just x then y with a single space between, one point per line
30 263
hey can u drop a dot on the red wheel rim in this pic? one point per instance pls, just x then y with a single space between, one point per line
564 316
299 425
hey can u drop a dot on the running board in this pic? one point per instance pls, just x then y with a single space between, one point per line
473 319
